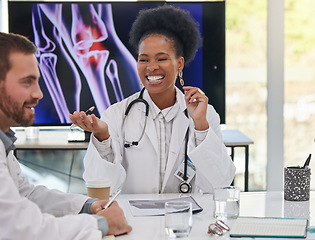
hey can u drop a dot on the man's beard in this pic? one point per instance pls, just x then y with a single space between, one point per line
13 110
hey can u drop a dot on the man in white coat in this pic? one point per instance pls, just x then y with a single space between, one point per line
147 156
31 212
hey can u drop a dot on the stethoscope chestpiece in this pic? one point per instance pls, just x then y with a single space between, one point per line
184 187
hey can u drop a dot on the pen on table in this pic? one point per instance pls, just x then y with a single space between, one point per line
113 198
87 112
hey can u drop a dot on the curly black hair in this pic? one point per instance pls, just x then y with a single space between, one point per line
172 22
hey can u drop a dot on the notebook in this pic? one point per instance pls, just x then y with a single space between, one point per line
269 227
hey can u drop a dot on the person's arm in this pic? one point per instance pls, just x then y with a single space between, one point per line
200 136
117 223
51 201
105 158
111 222
23 218
104 148
94 205
210 157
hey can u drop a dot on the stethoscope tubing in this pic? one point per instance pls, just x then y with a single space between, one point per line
141 100
128 144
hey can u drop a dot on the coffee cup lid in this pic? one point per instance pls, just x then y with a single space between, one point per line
96 183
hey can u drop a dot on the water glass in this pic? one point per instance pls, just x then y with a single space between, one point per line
226 202
178 218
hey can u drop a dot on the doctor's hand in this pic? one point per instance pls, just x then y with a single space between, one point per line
90 123
117 223
197 104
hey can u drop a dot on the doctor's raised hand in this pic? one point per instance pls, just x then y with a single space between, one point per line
90 123
197 103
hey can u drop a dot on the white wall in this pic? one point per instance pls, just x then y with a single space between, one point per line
275 98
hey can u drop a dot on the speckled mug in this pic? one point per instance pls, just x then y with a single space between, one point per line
297 183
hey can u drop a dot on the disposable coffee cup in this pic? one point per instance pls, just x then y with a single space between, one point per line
297 183
98 188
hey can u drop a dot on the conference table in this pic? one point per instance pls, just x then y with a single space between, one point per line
257 204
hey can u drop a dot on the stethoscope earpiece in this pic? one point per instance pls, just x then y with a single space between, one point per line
127 145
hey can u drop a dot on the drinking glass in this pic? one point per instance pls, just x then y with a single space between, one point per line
178 218
226 202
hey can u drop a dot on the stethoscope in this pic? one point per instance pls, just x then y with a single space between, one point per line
184 186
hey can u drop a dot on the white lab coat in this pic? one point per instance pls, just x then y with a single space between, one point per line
28 212
137 168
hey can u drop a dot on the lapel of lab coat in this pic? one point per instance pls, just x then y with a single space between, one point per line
179 129
150 130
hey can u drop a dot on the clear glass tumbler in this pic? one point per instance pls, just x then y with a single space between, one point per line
226 202
178 218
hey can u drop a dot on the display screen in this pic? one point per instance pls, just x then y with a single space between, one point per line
85 59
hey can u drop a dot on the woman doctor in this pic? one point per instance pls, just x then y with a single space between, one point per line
165 39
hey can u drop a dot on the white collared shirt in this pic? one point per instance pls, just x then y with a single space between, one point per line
163 120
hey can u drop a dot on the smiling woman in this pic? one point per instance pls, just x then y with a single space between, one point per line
180 146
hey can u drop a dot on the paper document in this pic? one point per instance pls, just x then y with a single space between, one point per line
269 227
156 207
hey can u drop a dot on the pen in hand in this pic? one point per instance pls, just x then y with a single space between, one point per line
112 199
87 112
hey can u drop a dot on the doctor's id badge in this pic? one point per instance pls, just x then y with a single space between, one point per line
191 170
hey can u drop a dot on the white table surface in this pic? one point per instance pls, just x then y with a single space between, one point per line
234 137
51 139
258 204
